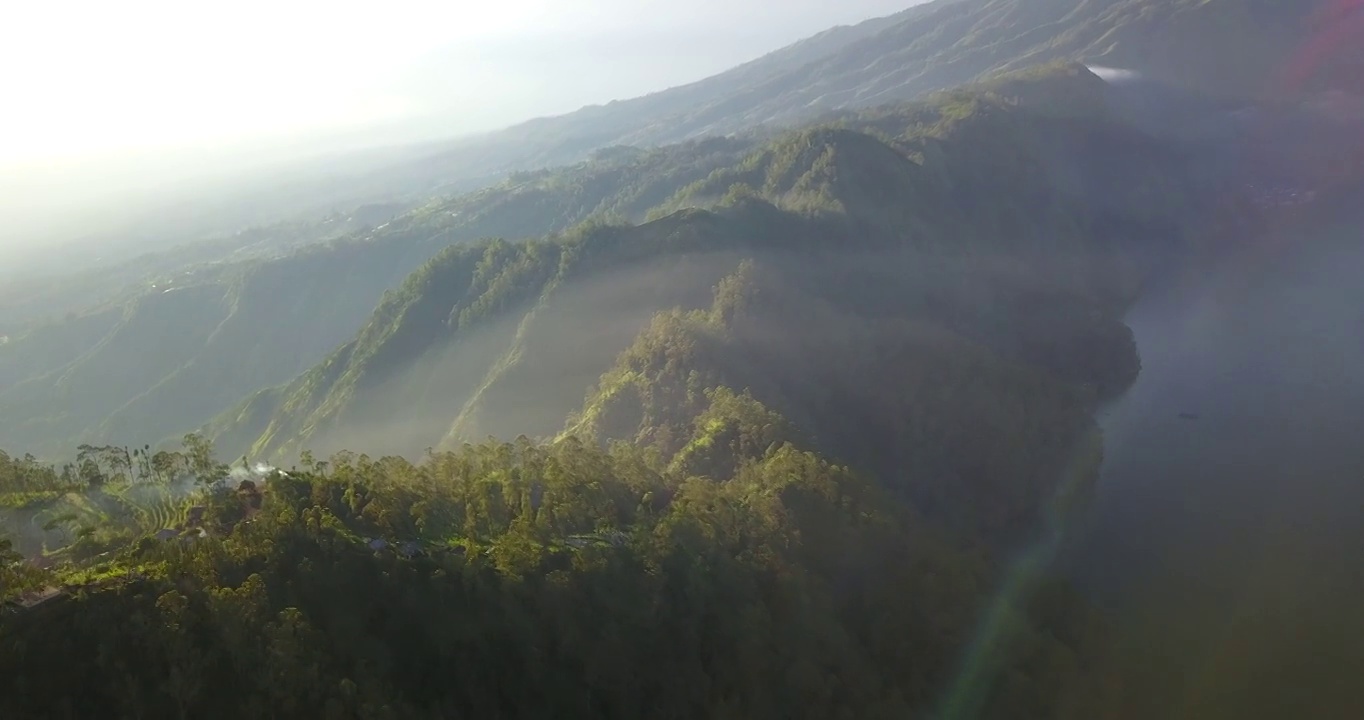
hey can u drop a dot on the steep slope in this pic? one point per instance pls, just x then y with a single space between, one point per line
886 367
156 334
500 339
33 353
433 343
272 319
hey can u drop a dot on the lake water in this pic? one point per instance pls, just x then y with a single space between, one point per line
1230 548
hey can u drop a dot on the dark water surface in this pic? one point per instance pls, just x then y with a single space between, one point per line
1230 548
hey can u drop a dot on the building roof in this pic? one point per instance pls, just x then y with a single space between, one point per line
33 599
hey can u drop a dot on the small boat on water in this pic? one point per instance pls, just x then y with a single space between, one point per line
1188 416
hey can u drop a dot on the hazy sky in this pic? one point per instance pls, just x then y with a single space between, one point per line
84 78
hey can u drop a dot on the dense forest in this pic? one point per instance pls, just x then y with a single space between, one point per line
510 579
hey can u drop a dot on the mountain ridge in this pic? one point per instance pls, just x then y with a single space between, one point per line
942 44
832 188
802 419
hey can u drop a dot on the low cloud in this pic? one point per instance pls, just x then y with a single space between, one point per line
1112 75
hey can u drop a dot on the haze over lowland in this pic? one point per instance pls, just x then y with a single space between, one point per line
809 388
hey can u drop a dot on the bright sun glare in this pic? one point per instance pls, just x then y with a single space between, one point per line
89 76
84 79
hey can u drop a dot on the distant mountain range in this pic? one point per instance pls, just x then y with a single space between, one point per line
1232 49
791 377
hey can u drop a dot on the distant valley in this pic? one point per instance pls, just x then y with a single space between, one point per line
771 395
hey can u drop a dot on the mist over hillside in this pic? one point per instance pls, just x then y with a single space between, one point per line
782 394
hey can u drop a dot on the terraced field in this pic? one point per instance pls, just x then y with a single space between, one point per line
22 500
68 511
156 507
48 525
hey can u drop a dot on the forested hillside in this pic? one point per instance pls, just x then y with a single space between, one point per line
514 580
757 426
220 332
964 206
